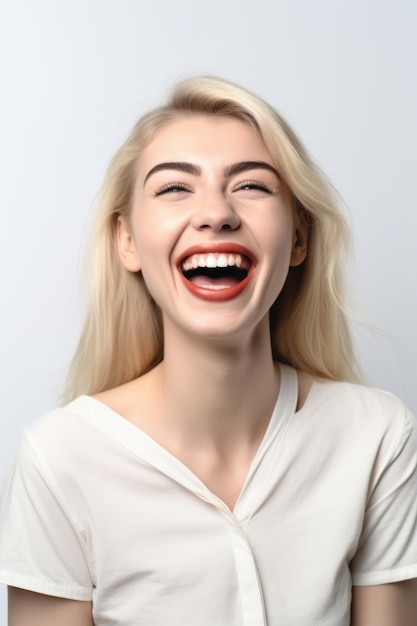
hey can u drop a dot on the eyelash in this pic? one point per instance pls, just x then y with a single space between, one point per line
253 184
172 187
245 185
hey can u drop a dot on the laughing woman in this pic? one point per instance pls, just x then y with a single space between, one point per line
219 463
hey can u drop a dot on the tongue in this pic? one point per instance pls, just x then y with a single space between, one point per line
214 283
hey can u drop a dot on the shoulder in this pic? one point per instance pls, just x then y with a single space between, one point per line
63 423
366 417
65 439
357 402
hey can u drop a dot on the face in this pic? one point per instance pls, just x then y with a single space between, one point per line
212 227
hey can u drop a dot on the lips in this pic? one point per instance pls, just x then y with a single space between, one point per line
216 272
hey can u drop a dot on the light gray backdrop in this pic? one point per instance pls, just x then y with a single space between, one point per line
75 75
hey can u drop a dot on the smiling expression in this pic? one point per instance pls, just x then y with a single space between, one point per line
212 226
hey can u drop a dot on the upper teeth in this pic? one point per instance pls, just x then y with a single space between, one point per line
215 259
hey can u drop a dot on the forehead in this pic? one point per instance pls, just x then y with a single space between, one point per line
196 138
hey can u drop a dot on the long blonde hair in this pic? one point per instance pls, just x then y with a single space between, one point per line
123 336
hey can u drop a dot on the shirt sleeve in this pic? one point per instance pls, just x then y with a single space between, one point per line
387 550
42 543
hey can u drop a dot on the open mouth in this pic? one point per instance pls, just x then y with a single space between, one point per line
218 274
216 270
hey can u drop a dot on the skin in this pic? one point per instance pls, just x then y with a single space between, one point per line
211 347
385 605
35 609
206 209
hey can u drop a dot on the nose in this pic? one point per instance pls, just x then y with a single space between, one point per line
215 213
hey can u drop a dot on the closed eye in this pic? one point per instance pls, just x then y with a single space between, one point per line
249 185
172 187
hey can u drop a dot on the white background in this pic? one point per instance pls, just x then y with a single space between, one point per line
76 74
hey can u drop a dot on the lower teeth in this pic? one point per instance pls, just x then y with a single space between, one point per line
217 287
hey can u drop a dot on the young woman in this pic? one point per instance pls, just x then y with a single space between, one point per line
219 464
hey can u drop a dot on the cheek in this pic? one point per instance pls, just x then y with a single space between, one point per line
155 281
277 235
154 243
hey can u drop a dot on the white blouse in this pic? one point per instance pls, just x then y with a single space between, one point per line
94 509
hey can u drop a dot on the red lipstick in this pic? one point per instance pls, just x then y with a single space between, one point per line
240 260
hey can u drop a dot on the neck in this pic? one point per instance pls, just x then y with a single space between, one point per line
218 392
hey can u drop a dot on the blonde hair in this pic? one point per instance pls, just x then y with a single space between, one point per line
123 337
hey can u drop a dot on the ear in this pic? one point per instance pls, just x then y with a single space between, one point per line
300 238
127 246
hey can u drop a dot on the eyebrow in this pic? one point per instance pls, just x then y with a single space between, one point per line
195 170
244 166
179 166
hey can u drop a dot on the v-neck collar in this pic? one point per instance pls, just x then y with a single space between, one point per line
138 442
